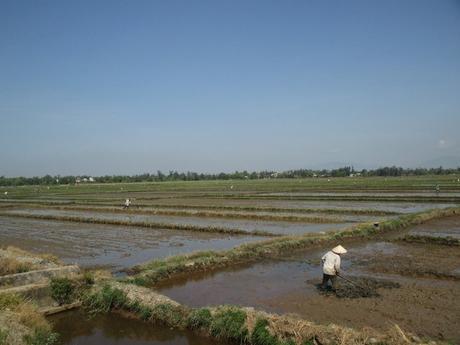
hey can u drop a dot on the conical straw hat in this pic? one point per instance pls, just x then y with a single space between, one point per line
339 250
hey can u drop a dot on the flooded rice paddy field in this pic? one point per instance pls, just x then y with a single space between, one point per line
284 228
426 303
446 227
399 207
75 328
116 247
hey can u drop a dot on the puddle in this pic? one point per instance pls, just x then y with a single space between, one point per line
117 247
75 328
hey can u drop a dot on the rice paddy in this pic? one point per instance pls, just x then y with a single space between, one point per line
256 243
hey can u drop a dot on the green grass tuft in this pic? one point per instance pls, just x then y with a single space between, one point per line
261 336
62 290
229 323
41 337
106 299
3 336
9 300
168 314
199 319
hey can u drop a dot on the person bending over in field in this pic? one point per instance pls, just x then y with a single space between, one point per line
331 266
127 203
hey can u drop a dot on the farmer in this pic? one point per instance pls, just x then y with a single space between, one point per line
127 203
331 265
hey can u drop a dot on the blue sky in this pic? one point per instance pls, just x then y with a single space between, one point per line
109 87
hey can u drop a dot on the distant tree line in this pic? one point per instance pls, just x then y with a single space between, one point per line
237 175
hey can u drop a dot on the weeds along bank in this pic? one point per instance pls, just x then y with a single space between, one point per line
23 324
237 325
155 271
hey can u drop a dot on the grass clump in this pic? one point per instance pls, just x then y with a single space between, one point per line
3 336
10 265
62 290
261 335
104 300
229 323
10 301
143 311
168 314
199 319
41 337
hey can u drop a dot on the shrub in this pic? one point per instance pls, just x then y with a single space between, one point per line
62 290
229 323
199 319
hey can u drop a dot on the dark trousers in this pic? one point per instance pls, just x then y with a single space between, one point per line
326 278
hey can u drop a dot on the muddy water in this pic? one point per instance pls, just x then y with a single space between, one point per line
425 303
285 228
402 207
449 226
117 247
76 329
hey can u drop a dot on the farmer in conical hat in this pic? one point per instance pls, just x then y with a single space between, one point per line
331 265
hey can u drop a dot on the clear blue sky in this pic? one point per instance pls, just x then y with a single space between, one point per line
108 87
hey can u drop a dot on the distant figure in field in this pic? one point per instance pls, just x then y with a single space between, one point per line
331 265
127 203
438 189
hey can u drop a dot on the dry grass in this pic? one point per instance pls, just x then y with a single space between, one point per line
29 316
24 310
14 260
9 265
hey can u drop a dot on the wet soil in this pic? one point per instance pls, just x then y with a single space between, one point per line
444 227
285 228
117 247
417 302
357 287
412 260
77 329
400 207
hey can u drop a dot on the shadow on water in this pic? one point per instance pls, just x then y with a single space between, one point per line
76 328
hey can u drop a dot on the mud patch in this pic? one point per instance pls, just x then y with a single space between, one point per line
362 287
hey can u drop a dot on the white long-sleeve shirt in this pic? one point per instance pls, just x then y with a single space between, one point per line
331 263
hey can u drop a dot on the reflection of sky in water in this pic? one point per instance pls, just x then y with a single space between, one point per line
105 245
246 225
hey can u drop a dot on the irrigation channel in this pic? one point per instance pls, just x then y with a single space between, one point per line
425 299
77 328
